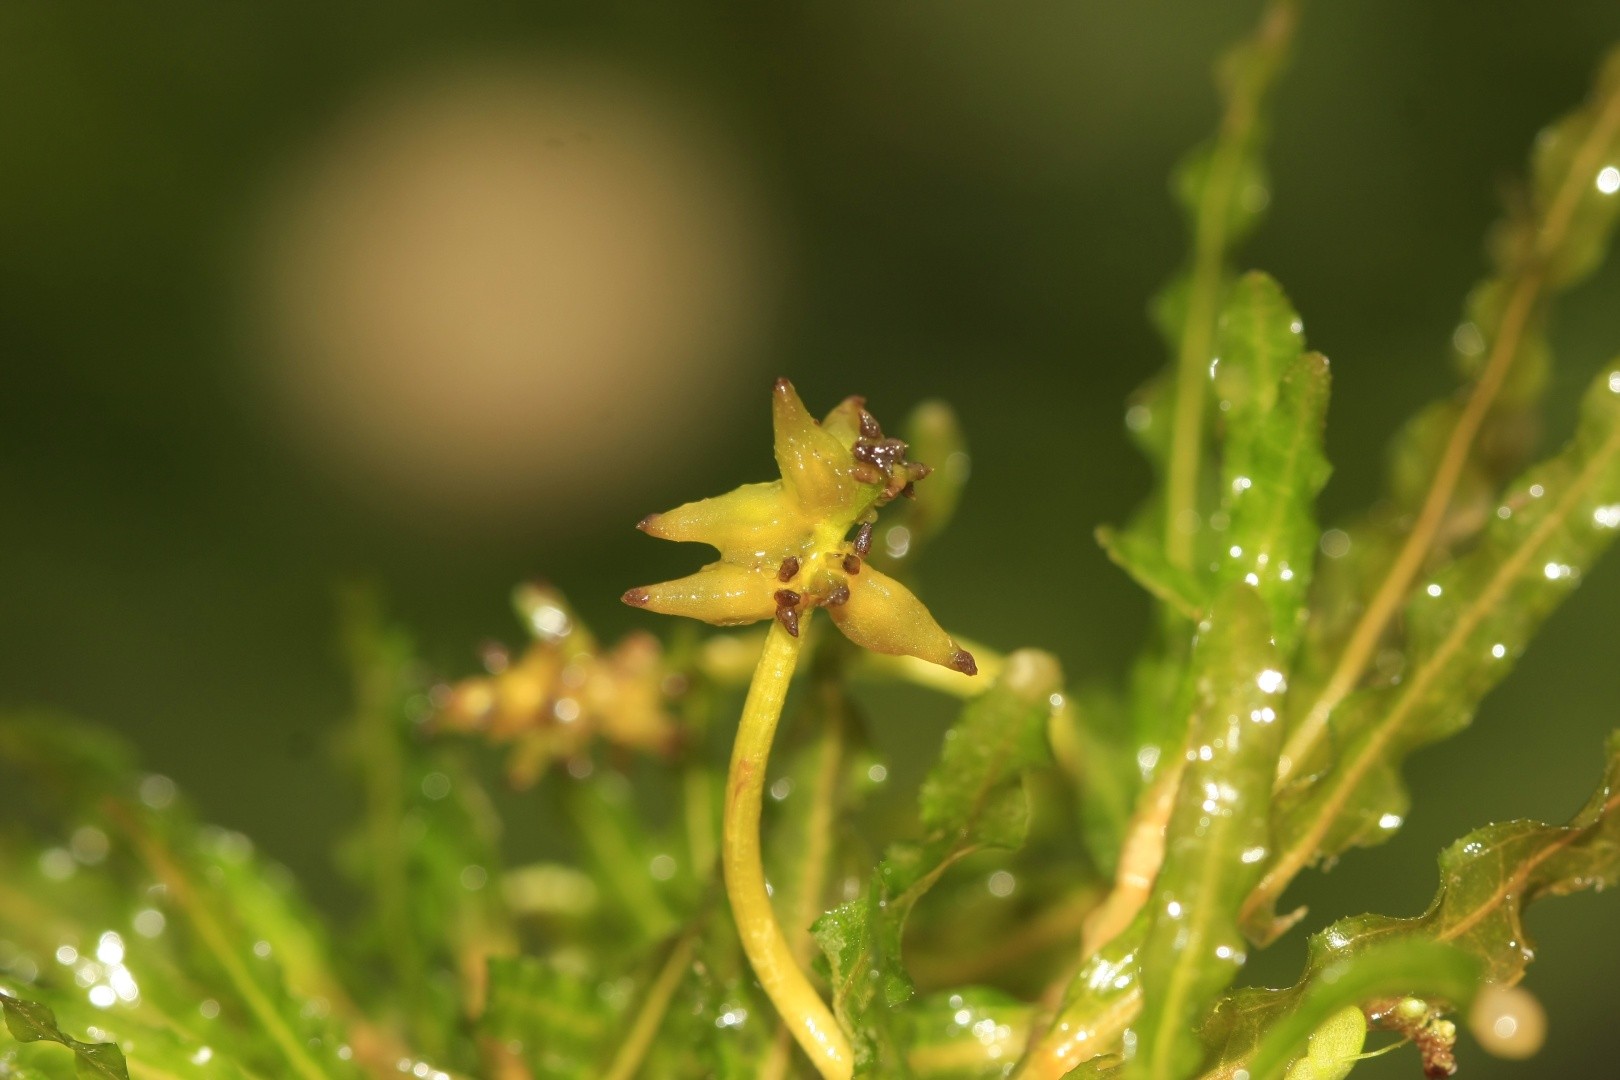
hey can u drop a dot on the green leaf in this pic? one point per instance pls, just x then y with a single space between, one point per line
427 850
971 800
968 1034
551 1017
1473 930
1489 876
1274 398
1222 187
1216 836
1142 557
1281 1025
1568 181
29 1021
1467 625
219 912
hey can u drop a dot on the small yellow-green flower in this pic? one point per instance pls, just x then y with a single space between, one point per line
785 545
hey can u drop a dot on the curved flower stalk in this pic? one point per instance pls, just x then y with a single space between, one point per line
786 550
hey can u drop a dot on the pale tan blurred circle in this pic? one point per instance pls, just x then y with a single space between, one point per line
497 289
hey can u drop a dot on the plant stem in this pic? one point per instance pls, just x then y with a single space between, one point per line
1528 288
1210 241
768 950
832 720
638 1040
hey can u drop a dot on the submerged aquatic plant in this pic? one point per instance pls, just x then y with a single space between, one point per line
696 928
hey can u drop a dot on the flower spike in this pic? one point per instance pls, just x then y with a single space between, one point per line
784 544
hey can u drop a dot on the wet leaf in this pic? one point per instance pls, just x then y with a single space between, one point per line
1216 836
970 1034
1262 1031
29 1021
1467 625
971 800
1273 397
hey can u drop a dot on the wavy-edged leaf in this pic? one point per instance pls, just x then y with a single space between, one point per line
1273 397
971 800
1467 625
1222 186
30 1021
1487 879
1216 837
1262 1031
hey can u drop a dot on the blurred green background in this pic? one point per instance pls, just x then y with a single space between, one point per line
252 258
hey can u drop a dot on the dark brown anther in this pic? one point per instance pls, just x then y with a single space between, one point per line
919 471
635 598
852 565
787 598
839 596
863 539
789 569
884 453
789 618
962 660
909 491
870 428
646 524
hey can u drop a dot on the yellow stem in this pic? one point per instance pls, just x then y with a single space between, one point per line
768 950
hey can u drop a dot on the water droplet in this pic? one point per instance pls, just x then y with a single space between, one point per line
56 864
782 788
662 867
1335 543
67 955
110 948
474 877
103 996
1389 821
209 1009
1433 589
157 792
897 541
1499 650
1467 339
1271 681
89 845
1001 883
1608 180
877 774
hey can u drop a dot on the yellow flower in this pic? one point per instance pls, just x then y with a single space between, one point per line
785 545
